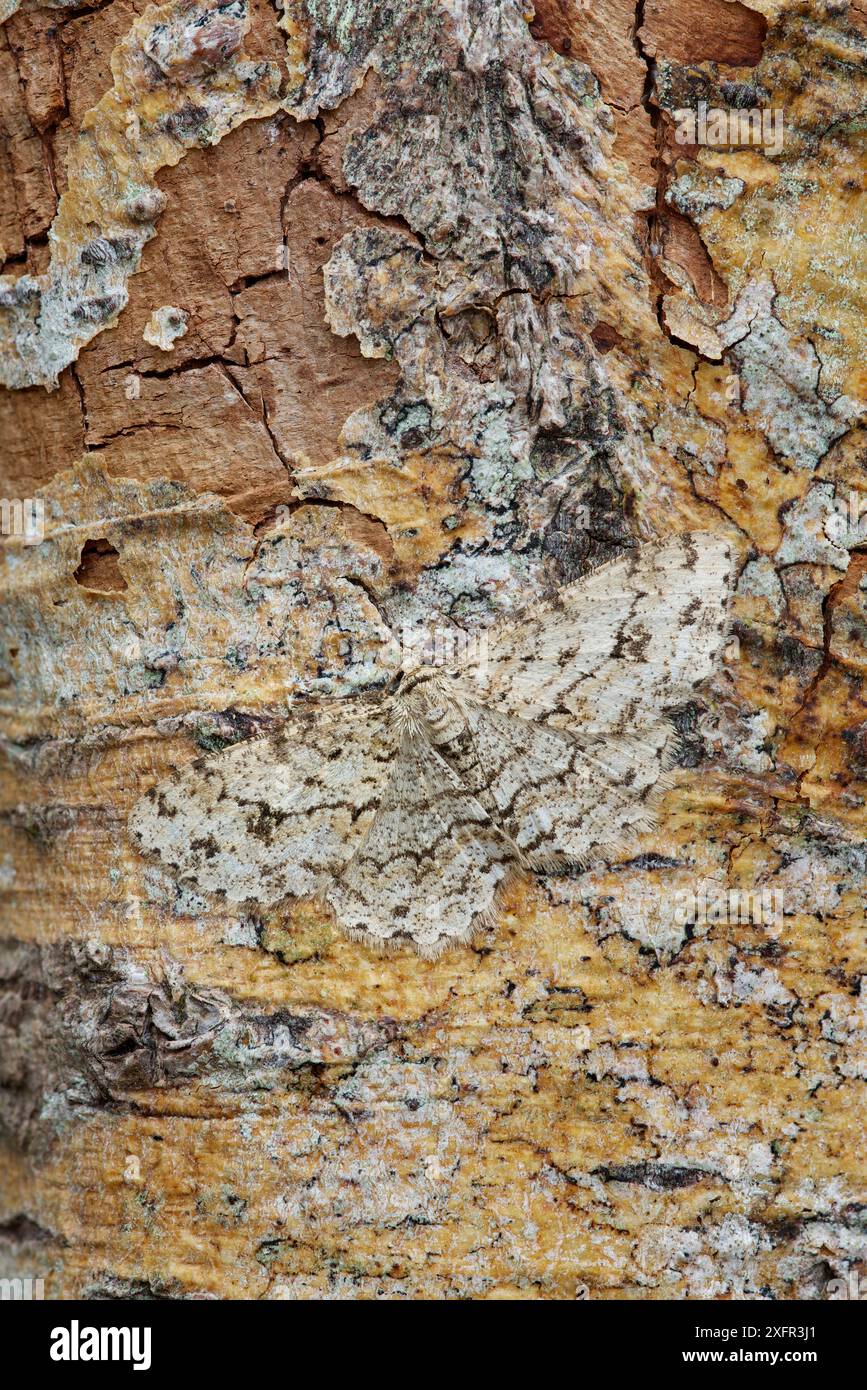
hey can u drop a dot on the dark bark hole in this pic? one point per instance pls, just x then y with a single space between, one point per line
123 1049
99 569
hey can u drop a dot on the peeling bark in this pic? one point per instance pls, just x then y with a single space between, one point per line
462 316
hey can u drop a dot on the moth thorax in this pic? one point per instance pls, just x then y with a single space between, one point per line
430 698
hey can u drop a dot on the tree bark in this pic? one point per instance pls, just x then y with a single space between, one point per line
313 328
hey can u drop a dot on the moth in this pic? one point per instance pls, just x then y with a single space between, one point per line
406 809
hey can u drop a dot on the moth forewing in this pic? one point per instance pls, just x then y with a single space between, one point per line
430 863
276 817
610 652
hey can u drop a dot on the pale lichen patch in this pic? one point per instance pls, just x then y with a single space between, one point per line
165 326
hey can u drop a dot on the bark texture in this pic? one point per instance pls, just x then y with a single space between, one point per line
323 320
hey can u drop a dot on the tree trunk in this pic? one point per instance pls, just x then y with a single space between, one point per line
315 328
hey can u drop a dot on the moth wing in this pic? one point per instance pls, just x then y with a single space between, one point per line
274 817
429 867
563 799
608 653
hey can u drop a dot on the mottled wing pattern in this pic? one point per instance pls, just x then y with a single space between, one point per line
272 817
430 864
610 652
562 799
406 814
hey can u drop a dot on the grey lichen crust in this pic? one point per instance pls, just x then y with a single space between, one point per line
781 381
500 142
500 168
